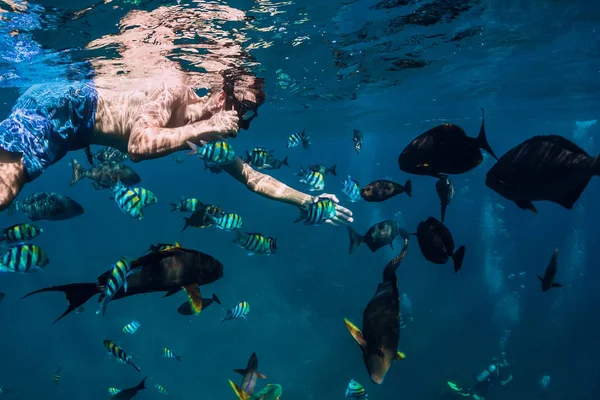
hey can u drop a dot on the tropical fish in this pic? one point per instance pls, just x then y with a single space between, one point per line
162 246
187 205
239 311
169 354
127 394
314 179
20 232
351 189
201 218
444 149
24 258
406 310
113 390
146 197
259 158
118 352
186 308
161 389
256 243
383 190
550 274
323 169
227 221
277 164
110 154
379 235
56 378
381 324
322 210
4 390
215 153
549 168
295 139
132 327
47 206
167 271
445 192
117 279
355 390
437 245
128 200
250 375
104 176
358 140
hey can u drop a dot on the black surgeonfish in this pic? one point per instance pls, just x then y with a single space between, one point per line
186 308
166 271
548 168
445 191
550 274
437 245
382 190
381 324
379 235
127 394
444 149
250 375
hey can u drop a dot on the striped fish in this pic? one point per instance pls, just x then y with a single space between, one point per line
295 139
161 389
169 354
24 258
355 390
314 179
117 279
57 376
227 221
215 153
132 327
186 205
112 391
256 243
128 200
118 352
351 189
146 197
239 311
4 391
20 232
322 210
323 169
162 247
259 158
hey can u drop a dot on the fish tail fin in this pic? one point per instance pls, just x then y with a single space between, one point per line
174 206
444 206
193 148
556 284
77 295
142 384
457 257
216 299
10 156
408 188
481 139
78 172
13 208
238 391
239 237
331 170
355 239
285 162
303 215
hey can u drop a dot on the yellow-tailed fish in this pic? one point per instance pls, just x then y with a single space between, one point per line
256 243
132 327
23 258
118 352
128 200
20 232
116 280
239 311
169 354
146 197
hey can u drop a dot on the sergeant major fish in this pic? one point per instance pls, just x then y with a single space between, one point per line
113 390
56 377
295 139
256 243
146 197
215 153
186 205
355 390
117 279
322 210
227 221
161 389
550 274
202 217
20 232
351 189
128 200
132 327
47 206
314 179
118 352
323 169
169 354
104 176
239 311
259 158
23 258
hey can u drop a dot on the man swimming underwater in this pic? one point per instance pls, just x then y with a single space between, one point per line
149 116
492 375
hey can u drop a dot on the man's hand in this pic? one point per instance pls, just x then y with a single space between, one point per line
343 216
224 124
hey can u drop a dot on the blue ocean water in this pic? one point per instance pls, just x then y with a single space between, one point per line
392 69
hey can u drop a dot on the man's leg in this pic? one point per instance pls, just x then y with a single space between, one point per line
12 180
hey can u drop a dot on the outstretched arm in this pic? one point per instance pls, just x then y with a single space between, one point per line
269 187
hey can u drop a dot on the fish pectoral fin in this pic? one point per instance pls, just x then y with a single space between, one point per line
399 355
526 205
261 375
356 333
540 278
194 297
556 285
240 371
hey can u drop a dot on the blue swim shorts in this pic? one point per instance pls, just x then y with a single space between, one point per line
48 121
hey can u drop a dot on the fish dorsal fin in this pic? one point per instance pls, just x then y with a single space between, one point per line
559 141
194 297
356 333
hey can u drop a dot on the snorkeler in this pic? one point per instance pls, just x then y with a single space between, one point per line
150 113
492 375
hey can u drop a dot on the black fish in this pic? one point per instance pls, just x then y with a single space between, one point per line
550 274
437 245
381 324
105 175
382 190
548 168
186 308
250 375
127 394
379 235
445 192
445 149
358 140
47 206
323 169
201 218
166 271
